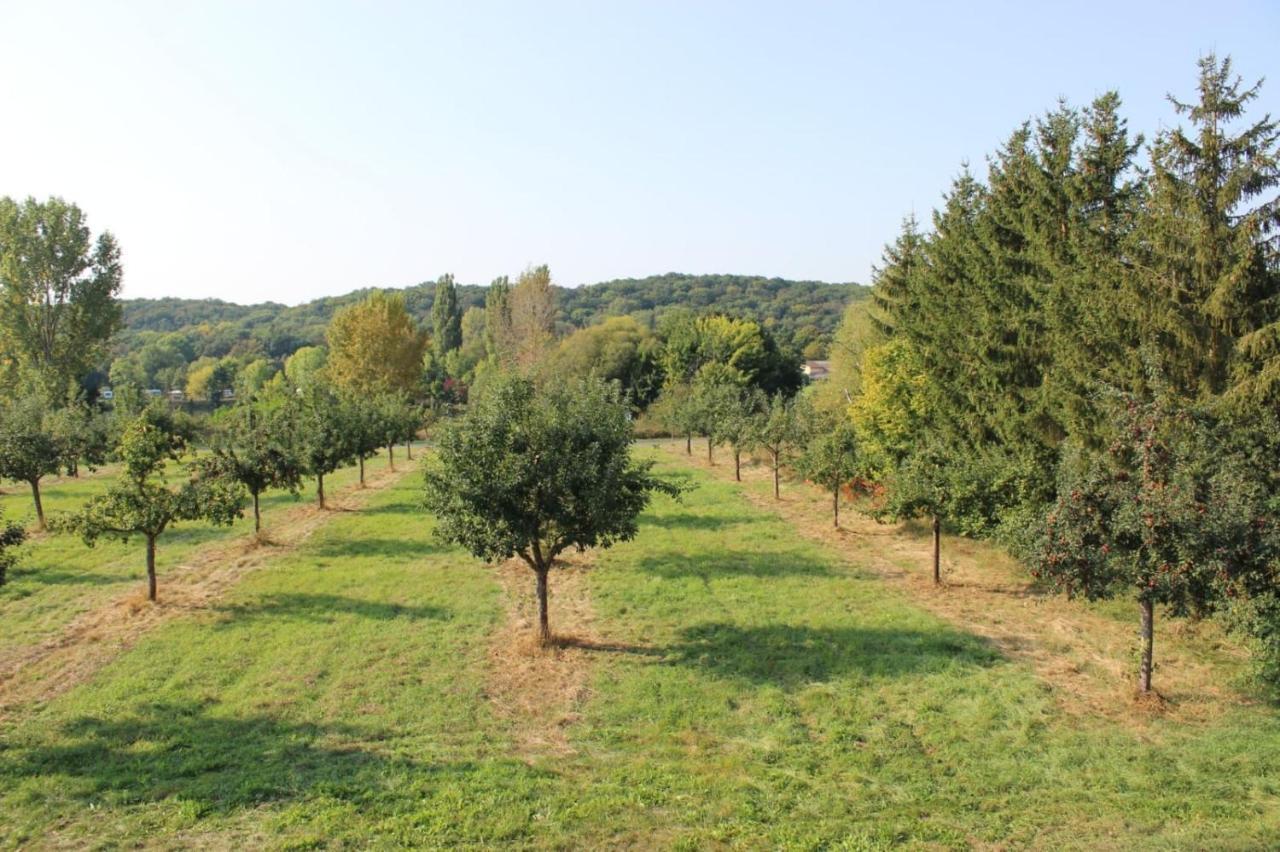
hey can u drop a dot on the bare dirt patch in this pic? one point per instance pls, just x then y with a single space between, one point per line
41 672
540 691
1084 657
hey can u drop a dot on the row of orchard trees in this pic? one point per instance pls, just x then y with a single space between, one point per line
1081 358
321 412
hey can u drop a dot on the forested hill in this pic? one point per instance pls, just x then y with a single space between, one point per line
803 314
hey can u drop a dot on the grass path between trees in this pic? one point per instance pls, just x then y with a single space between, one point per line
68 608
1085 653
728 682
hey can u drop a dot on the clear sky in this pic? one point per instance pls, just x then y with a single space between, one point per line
255 150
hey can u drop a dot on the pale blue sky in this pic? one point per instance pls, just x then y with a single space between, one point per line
287 151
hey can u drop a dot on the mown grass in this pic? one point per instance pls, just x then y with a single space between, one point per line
756 692
56 577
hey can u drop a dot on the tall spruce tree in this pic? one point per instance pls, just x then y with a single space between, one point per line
1207 233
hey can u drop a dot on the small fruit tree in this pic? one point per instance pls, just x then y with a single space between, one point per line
532 472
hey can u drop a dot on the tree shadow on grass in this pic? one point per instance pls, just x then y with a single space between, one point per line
301 606
56 577
689 521
183 751
382 548
399 507
734 563
790 656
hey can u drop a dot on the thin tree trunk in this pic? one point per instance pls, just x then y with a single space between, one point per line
35 493
835 504
408 448
776 494
937 551
362 471
688 444
320 488
737 464
1148 643
391 455
257 515
544 628
710 460
151 568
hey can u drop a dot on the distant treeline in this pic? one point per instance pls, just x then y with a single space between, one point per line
803 315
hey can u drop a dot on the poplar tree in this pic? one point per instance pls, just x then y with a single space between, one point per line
446 319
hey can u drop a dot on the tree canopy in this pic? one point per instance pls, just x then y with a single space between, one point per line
533 473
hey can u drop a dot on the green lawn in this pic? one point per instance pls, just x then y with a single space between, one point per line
58 578
758 692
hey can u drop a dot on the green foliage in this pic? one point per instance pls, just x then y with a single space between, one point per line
58 289
533 473
1168 514
799 314
327 437
11 536
141 502
892 410
446 318
29 447
781 429
740 350
831 458
618 349
303 366
257 447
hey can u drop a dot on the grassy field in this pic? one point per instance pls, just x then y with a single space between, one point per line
732 681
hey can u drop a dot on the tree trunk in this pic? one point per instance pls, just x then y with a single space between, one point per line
737 464
408 448
151 568
688 444
544 629
709 459
1148 643
320 488
776 494
35 493
391 455
937 551
835 504
257 515
362 471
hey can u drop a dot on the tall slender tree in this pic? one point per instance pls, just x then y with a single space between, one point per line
446 319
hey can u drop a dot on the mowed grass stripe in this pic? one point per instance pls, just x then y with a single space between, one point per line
778 696
335 694
759 693
58 578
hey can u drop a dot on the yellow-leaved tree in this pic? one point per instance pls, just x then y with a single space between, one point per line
892 405
375 346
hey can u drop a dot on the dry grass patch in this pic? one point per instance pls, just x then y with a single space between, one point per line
539 691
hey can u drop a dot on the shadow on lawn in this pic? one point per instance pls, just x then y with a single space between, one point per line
690 521
382 548
220 763
324 608
56 577
734 563
791 656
